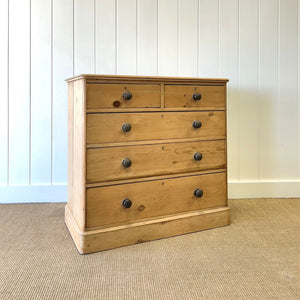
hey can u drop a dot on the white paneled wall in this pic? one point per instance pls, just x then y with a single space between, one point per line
254 43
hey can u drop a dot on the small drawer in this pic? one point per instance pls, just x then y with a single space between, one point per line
124 127
195 96
141 200
122 95
115 163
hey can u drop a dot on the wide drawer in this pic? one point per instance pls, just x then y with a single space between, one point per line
117 95
106 205
194 96
109 127
109 163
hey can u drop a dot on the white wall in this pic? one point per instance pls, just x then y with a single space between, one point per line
253 43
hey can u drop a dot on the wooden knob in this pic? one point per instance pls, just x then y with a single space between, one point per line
198 193
197 156
197 96
126 203
197 124
126 127
127 95
126 162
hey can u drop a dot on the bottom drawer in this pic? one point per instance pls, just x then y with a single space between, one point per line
133 201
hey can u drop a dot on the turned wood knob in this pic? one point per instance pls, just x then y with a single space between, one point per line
197 124
126 162
126 127
198 193
127 95
197 156
127 203
197 96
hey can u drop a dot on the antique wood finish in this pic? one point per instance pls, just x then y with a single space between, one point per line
78 154
182 96
111 95
70 143
105 128
94 78
148 167
148 160
154 198
90 241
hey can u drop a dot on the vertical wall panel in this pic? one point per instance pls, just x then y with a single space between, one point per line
19 91
4 92
288 89
126 37
228 66
167 37
146 37
105 36
209 38
41 110
84 44
62 68
248 96
254 43
268 100
188 34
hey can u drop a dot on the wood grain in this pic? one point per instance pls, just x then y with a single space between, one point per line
182 96
161 143
79 166
105 164
110 95
117 236
93 78
70 143
154 198
104 128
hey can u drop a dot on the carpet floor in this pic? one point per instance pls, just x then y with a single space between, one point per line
256 257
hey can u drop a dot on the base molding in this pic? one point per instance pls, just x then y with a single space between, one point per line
143 231
264 189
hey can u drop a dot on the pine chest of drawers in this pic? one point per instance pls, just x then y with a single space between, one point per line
147 158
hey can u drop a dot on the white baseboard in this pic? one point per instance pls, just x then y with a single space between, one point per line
59 193
264 189
33 193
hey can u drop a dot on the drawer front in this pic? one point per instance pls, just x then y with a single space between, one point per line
109 127
117 95
194 96
106 205
104 164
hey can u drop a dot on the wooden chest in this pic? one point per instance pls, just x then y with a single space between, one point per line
147 158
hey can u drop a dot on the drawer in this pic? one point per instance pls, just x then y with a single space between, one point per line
106 205
104 164
117 95
124 127
194 96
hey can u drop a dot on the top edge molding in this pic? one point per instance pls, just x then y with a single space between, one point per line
93 78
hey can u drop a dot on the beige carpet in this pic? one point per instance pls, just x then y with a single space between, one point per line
256 257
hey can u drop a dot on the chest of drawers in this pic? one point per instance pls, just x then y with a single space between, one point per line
146 158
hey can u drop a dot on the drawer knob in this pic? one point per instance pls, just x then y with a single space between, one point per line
127 95
126 162
127 203
197 96
197 124
126 127
197 156
198 193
